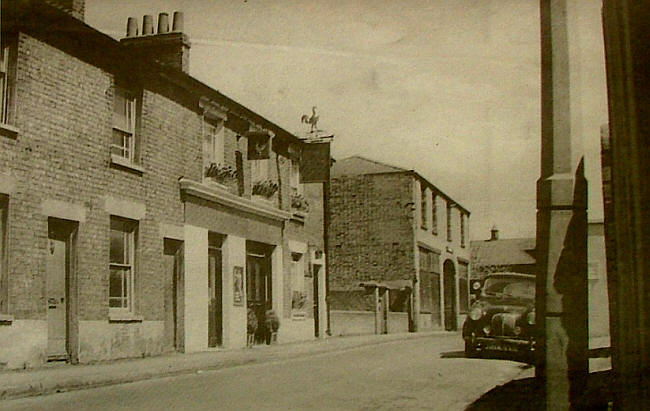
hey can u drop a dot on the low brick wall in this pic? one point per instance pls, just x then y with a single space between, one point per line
363 322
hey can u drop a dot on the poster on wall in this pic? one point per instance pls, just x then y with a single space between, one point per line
238 285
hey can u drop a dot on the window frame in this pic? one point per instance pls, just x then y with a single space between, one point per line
129 150
449 229
8 61
130 232
294 177
214 141
434 213
259 170
424 208
463 241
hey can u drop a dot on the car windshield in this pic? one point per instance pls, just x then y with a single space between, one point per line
510 287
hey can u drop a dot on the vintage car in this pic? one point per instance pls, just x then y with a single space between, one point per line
503 315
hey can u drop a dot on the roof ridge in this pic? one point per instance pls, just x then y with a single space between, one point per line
381 163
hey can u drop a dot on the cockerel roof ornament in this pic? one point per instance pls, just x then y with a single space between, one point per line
312 121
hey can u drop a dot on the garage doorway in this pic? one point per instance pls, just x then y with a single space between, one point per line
449 284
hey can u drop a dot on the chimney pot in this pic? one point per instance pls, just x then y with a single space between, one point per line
494 233
147 24
178 21
163 23
131 27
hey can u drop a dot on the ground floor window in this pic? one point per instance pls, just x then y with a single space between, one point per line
122 263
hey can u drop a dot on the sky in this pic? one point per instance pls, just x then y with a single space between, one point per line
448 88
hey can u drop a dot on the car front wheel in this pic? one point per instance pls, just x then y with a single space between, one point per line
470 349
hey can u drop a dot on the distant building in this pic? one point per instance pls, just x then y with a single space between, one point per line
508 254
518 255
391 225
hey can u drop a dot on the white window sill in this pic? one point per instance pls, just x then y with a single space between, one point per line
261 199
9 130
120 316
212 183
6 319
126 163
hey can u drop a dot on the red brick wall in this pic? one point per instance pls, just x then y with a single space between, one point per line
370 236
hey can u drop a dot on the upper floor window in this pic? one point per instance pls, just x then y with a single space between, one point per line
125 113
449 236
423 207
7 64
213 142
434 214
122 264
294 180
463 220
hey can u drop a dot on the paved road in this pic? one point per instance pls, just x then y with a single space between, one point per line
424 373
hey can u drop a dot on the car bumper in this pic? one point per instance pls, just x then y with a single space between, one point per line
501 343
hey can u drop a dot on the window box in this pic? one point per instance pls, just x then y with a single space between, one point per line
221 174
299 202
265 188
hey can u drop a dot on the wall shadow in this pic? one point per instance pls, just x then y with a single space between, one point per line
528 394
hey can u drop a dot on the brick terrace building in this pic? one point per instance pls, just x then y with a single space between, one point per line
388 223
141 211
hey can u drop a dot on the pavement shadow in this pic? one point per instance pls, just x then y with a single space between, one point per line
491 355
526 394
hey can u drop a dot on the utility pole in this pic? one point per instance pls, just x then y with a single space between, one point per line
561 296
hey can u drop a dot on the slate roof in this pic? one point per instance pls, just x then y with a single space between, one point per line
508 251
357 165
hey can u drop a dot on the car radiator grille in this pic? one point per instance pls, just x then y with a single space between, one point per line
503 325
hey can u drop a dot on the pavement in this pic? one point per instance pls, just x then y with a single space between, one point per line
60 377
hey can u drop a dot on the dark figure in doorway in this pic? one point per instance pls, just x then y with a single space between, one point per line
251 327
272 323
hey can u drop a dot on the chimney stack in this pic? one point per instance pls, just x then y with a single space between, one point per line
494 233
169 48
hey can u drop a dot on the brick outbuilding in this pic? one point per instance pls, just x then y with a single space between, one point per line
389 224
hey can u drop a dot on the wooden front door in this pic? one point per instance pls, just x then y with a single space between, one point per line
315 298
59 261
258 289
172 266
215 313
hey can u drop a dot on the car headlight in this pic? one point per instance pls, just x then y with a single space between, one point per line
530 318
476 313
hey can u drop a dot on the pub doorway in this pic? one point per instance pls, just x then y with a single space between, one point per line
259 286
215 309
